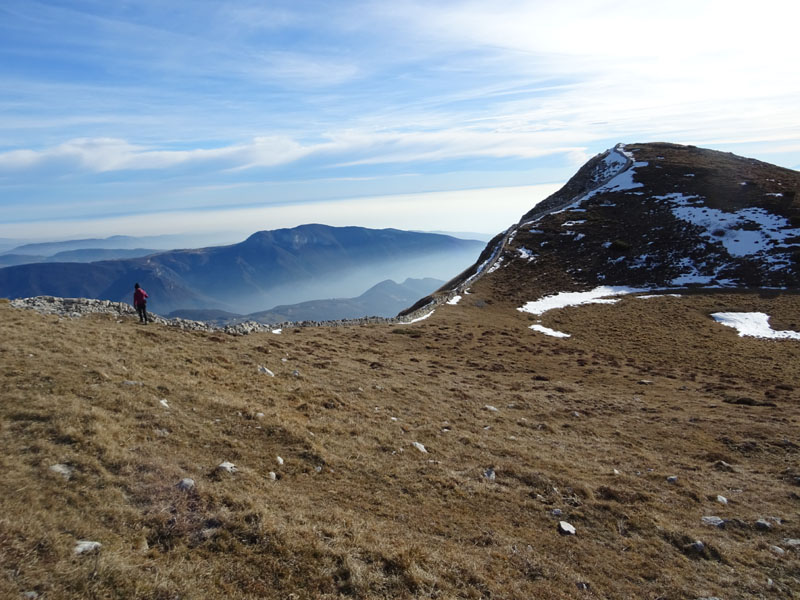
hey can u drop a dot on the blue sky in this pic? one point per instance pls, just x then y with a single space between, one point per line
145 117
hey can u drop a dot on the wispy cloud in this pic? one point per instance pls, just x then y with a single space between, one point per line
202 95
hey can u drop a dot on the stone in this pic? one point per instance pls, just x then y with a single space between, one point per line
296 373
696 547
565 528
672 479
31 595
273 476
722 499
763 525
265 371
556 512
793 542
279 460
64 470
163 403
86 546
419 447
227 466
777 550
721 465
713 521
490 474
186 484
491 408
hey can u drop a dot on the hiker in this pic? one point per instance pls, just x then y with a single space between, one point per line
140 303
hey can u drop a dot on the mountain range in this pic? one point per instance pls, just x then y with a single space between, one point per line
384 299
269 268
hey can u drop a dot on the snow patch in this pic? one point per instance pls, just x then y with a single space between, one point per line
753 324
454 300
548 331
599 295
418 319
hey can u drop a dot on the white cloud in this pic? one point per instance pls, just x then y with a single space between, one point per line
487 210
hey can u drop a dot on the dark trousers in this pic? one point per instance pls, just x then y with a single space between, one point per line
141 308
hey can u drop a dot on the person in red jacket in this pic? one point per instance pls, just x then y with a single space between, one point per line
140 303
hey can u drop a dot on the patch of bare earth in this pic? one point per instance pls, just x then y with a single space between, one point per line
521 431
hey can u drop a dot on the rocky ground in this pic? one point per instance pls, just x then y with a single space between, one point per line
652 454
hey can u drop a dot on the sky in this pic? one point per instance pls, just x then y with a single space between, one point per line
145 117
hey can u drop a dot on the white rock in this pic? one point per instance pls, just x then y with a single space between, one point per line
491 408
64 470
565 528
777 550
616 472
273 476
163 403
227 466
84 546
713 521
186 484
490 474
722 499
279 459
763 525
672 479
259 415
419 447
794 543
265 371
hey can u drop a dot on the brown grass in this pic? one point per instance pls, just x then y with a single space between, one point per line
356 510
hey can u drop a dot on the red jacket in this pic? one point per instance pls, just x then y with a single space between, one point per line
139 296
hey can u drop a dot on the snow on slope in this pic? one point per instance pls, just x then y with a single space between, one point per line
753 324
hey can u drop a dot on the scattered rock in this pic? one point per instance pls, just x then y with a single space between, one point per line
556 512
491 408
30 595
763 525
722 499
794 543
419 447
490 474
672 479
296 373
565 528
259 415
616 472
163 403
721 465
777 550
64 470
265 371
576 414
645 382
86 546
273 476
695 548
713 521
227 466
186 484
582 585
279 460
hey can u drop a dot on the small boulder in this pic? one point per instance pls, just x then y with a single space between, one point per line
565 528
672 479
713 521
86 546
722 499
64 470
265 371
227 466
419 447
186 484
763 525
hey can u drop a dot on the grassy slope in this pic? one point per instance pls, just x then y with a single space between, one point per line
381 519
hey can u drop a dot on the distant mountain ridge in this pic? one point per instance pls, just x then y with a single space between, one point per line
384 299
654 215
269 268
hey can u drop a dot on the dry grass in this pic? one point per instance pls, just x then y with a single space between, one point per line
356 510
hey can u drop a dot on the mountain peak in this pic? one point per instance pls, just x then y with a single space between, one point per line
654 215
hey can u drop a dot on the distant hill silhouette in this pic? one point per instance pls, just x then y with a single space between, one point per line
268 268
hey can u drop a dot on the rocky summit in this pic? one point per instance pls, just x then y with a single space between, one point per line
605 405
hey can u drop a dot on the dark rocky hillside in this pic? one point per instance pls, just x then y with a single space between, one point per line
652 216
